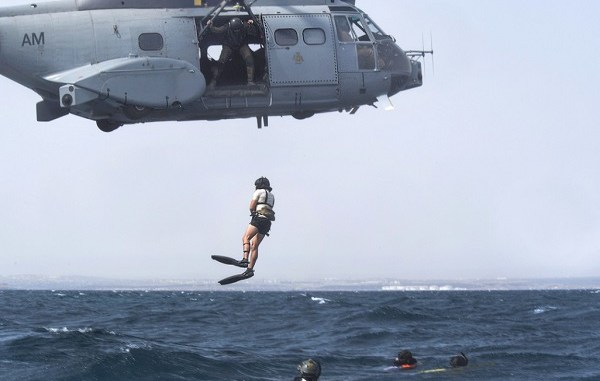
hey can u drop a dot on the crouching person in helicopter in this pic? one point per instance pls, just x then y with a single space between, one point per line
236 34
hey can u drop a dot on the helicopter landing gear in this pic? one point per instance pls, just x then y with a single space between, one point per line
301 115
107 125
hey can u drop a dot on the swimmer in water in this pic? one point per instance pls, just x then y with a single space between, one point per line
459 360
310 370
405 360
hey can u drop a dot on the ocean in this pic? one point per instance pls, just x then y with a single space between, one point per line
174 335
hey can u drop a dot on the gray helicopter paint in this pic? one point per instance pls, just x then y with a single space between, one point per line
91 5
116 4
117 34
288 65
141 81
81 49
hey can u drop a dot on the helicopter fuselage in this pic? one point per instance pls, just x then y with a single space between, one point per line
122 62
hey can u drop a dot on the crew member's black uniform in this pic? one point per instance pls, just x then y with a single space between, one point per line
236 39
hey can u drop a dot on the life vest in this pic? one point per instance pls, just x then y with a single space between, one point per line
265 208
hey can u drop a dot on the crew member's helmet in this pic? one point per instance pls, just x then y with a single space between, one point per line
236 24
263 183
310 369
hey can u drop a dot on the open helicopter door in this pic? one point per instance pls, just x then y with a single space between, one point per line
301 50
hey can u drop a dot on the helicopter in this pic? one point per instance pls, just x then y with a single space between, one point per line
121 62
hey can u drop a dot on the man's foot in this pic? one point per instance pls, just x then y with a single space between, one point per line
249 273
243 263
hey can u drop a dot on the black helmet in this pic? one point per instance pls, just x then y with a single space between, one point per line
263 183
405 358
310 369
236 24
459 360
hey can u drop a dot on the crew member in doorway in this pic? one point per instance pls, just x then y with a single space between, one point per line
261 210
236 34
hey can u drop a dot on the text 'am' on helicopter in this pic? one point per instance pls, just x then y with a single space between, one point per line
136 61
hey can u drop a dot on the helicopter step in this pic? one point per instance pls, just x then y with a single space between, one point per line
255 90
235 97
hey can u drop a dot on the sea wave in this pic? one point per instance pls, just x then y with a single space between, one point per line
262 336
541 310
432 287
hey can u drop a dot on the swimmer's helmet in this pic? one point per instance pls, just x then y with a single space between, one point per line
459 360
405 359
310 369
263 183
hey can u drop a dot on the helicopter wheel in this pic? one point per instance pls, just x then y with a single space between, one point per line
303 115
107 125
136 112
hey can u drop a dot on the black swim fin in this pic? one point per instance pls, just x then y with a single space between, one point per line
230 261
236 278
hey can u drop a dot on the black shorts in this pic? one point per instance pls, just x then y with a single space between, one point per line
263 224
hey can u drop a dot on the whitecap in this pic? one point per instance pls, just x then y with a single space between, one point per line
67 330
129 346
57 330
320 300
541 310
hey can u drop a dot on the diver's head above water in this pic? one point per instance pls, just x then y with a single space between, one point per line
405 360
310 370
459 360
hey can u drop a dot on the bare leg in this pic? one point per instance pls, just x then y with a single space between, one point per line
254 253
250 233
245 248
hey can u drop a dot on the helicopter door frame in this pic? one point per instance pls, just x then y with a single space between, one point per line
301 50
355 47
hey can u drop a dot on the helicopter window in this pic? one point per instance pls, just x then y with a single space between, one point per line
366 56
377 32
286 37
344 32
151 41
341 9
359 29
314 36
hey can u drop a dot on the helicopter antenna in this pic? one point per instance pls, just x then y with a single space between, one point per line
416 55
431 47
423 49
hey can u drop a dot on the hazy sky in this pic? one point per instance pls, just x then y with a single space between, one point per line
491 169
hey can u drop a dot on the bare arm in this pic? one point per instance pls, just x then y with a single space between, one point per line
253 204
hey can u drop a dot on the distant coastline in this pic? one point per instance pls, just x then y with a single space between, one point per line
34 282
